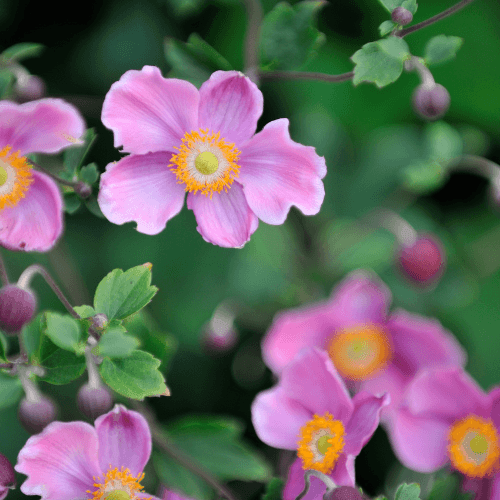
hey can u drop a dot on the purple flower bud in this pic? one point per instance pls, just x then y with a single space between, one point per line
99 321
83 190
345 493
29 89
218 338
423 262
17 307
402 16
431 103
7 476
94 401
35 415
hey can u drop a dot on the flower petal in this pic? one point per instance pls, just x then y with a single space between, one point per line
277 419
149 113
226 219
43 126
343 474
36 222
166 494
141 188
295 484
494 396
420 443
124 440
147 496
60 462
364 420
277 173
230 103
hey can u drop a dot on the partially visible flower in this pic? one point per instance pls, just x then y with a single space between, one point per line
371 349
166 494
31 208
74 460
203 142
7 476
311 411
448 419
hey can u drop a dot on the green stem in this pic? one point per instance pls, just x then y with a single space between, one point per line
305 75
251 49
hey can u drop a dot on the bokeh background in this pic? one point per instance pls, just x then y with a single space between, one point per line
368 137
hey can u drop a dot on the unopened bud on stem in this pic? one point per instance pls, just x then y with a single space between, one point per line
29 88
94 401
401 16
7 476
17 307
83 190
431 102
35 414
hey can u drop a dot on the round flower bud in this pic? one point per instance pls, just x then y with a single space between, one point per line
83 190
423 262
7 476
35 415
218 338
94 401
345 493
402 16
17 307
431 103
29 89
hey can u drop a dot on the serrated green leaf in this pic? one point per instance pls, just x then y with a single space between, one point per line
410 5
135 377
380 62
32 334
74 156
115 343
64 331
274 489
84 311
71 203
3 348
89 173
11 390
423 177
441 48
386 27
121 294
442 142
22 51
289 37
408 492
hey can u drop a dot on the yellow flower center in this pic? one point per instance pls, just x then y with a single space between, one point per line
205 162
360 352
15 178
473 446
117 485
321 443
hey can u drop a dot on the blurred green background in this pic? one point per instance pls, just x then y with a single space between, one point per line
368 137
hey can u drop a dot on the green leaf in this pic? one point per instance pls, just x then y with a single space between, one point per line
65 332
380 62
289 37
134 377
6 83
386 27
441 48
408 492
11 390
448 488
93 207
89 173
3 348
84 311
74 156
71 202
22 51
32 334
121 294
61 366
115 343
442 142
410 5
423 177
274 489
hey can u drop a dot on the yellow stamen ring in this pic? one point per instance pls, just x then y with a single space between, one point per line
474 447
321 443
205 162
360 352
15 178
118 485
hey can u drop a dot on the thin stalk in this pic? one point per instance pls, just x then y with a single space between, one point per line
3 272
305 75
79 186
251 49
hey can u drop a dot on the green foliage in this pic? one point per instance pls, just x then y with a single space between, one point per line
448 487
74 156
11 390
115 343
423 177
121 294
89 173
65 332
386 27
22 51
441 49
32 334
85 311
3 348
380 62
135 377
274 489
442 142
6 83
410 5
71 202
289 38
408 492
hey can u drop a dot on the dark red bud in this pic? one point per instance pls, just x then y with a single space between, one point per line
431 103
35 415
94 401
345 493
402 16
30 88
7 476
17 307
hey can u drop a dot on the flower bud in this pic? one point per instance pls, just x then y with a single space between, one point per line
94 401
99 321
431 103
17 307
401 16
83 190
7 476
423 262
345 493
35 415
218 339
30 88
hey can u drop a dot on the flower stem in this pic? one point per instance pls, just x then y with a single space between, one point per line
163 442
3 272
305 75
251 49
78 186
425 75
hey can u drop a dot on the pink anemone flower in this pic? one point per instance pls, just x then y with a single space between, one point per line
310 411
31 207
448 419
371 349
203 142
76 461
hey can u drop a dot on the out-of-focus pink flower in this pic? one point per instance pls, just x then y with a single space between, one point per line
31 208
447 419
166 494
311 411
203 142
62 461
371 349
7 476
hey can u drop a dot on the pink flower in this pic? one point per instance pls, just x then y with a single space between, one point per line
448 419
372 350
76 461
203 142
166 494
31 208
310 411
